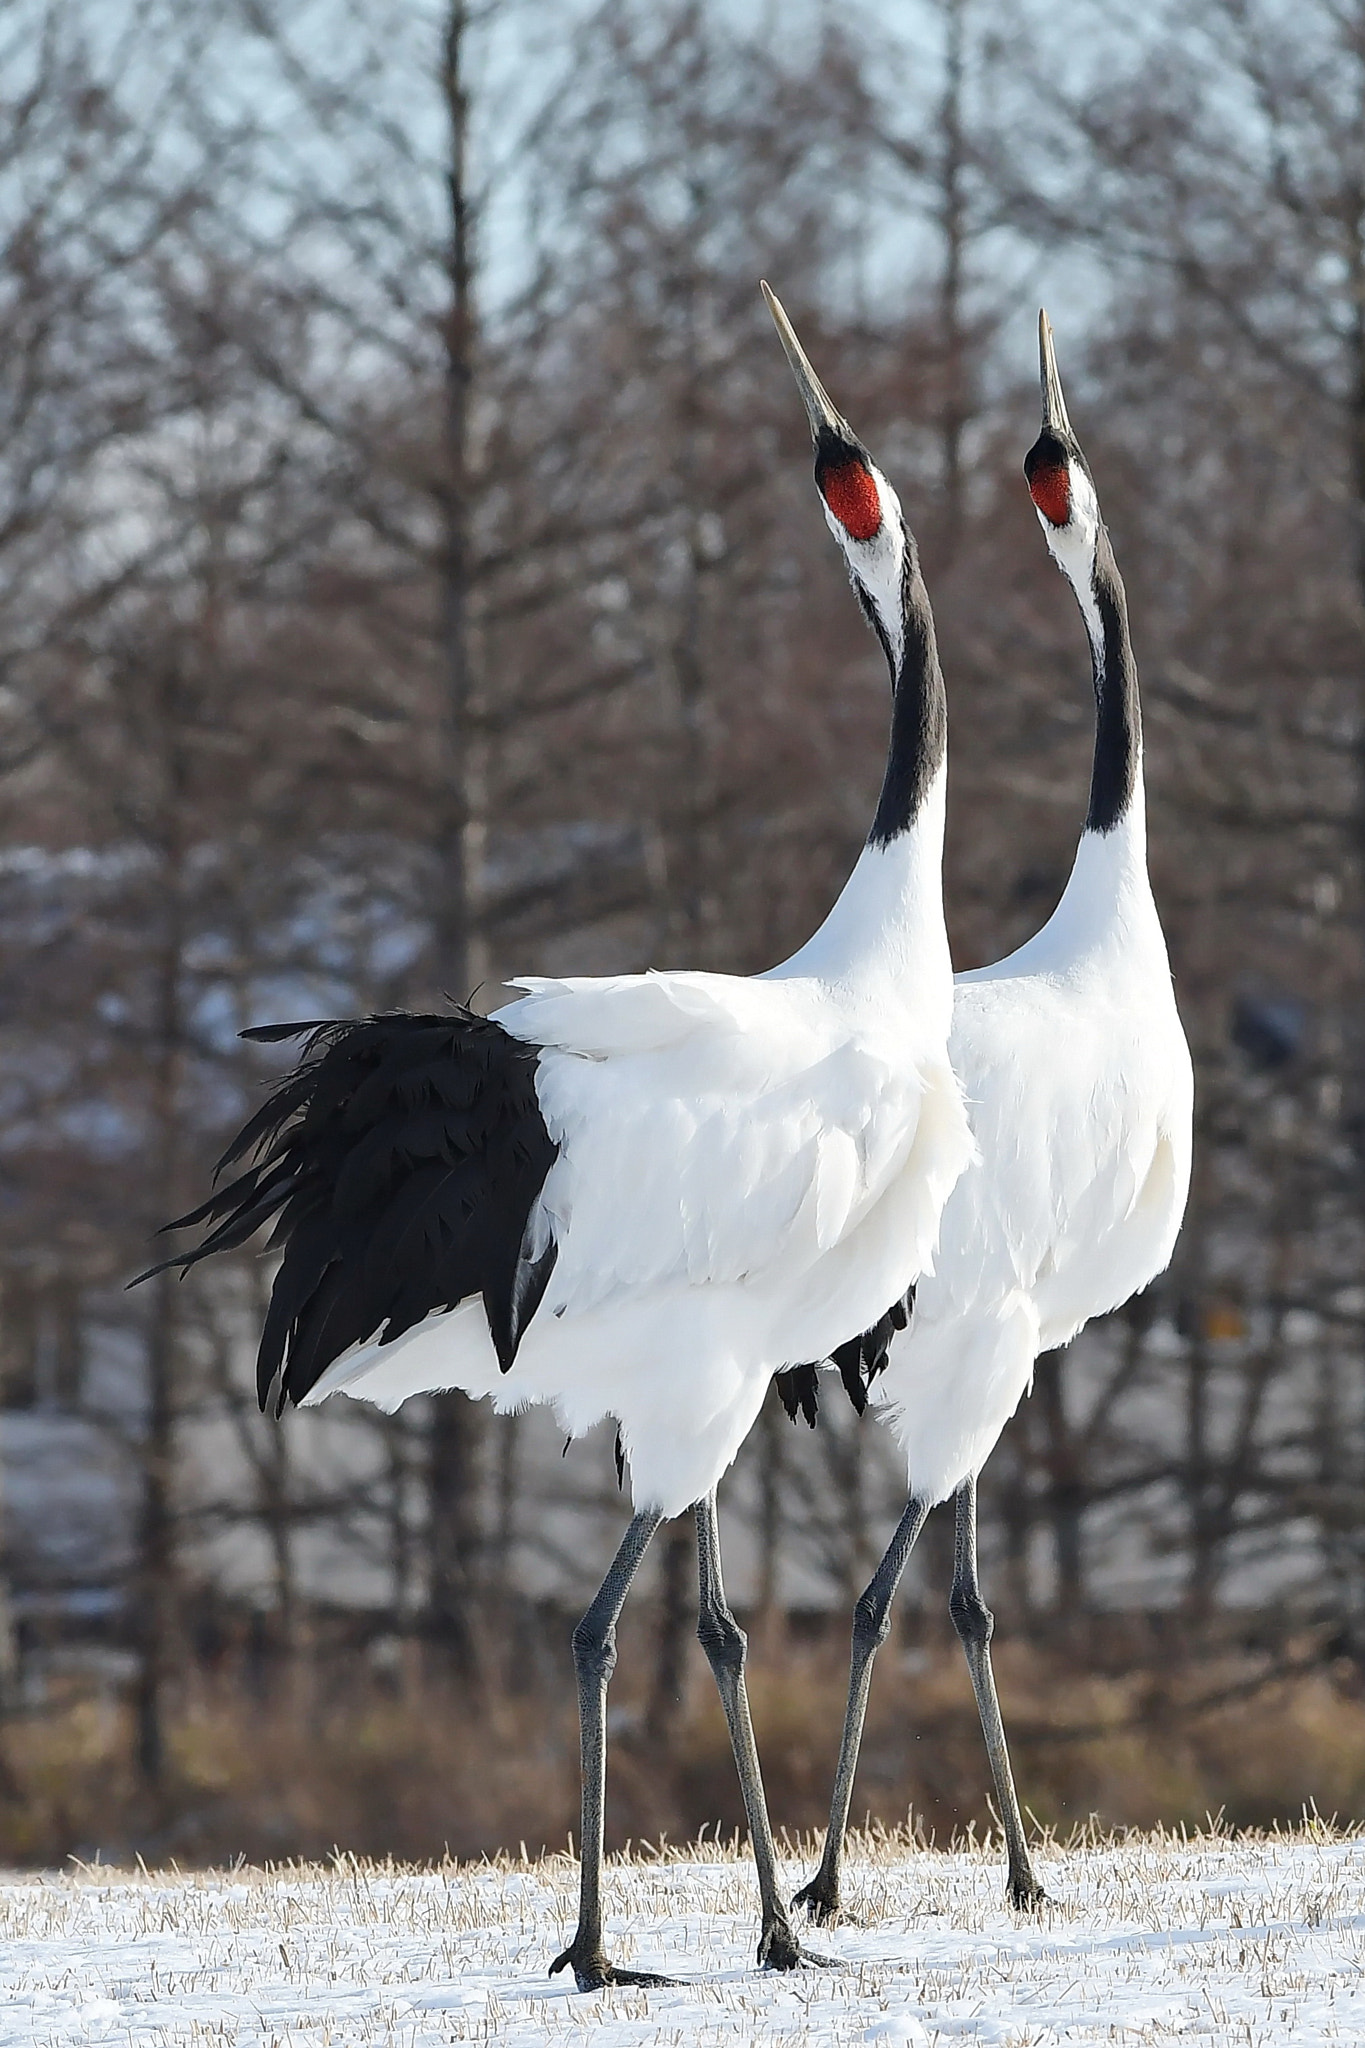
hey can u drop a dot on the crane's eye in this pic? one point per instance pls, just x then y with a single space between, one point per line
850 491
1050 489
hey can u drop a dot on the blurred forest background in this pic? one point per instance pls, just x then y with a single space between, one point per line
410 574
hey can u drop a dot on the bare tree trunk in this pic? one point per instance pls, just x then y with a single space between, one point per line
1066 1494
772 1448
500 1576
458 941
458 1426
851 1554
265 1452
9 1655
1201 1523
676 1614
686 916
400 1437
454 1535
155 1590
9 1646
954 402
1012 1498
1354 1022
277 1516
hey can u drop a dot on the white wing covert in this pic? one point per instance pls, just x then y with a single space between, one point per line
711 1130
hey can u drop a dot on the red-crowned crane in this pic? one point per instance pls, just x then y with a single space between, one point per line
1077 1077
640 1197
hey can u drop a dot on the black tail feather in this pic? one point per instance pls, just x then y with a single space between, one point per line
400 1161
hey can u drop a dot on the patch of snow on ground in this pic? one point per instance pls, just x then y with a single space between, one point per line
1214 1940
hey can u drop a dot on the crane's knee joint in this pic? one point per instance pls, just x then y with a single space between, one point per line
594 1649
871 1621
723 1640
972 1618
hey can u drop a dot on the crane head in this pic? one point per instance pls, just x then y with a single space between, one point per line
1058 474
861 509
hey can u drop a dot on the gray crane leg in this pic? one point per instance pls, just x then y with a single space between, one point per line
726 1647
871 1626
975 1623
594 1656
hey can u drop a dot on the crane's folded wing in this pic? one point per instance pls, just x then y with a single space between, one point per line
710 1130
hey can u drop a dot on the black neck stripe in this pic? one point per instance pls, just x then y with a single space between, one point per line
919 712
1118 715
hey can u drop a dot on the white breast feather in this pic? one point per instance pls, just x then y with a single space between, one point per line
1081 1106
1079 1116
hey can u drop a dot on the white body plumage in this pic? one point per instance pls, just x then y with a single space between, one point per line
749 1172
641 1197
1080 1094
1074 1064
1079 1089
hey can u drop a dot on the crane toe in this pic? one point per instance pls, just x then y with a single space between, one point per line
780 1950
819 1899
1027 1895
592 1971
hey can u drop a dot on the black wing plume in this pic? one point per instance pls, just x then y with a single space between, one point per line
859 1361
399 1162
798 1390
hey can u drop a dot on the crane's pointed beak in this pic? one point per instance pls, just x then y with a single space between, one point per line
814 397
1054 405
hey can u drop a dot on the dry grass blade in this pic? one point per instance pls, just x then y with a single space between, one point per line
1210 1937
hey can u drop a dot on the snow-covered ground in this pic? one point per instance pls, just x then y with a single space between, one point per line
1158 1939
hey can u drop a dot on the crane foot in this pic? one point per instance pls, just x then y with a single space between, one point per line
592 1971
820 1898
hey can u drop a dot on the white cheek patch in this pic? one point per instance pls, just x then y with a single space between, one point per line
1085 507
1073 545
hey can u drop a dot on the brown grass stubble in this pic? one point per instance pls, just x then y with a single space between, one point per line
416 1770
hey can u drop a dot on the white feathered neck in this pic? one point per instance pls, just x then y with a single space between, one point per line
1107 917
887 927
887 931
1107 914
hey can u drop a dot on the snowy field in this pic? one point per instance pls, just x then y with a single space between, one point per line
1207 1941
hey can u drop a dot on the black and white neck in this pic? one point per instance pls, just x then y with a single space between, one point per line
1060 484
1063 493
1113 852
864 515
888 921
